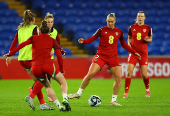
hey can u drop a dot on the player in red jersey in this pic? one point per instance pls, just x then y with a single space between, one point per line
54 34
42 65
106 54
138 36
25 30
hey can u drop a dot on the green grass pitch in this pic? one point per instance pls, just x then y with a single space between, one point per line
13 92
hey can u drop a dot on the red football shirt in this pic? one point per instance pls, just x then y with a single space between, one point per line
138 33
41 48
108 41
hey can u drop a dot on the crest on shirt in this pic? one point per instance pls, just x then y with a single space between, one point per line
144 30
116 33
134 29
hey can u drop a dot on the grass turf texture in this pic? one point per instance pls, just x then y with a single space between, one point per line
13 92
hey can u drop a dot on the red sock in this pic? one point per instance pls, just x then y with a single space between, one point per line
40 97
127 84
37 88
146 82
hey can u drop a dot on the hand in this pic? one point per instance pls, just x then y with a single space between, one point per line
63 52
5 55
8 59
51 53
146 39
81 40
138 56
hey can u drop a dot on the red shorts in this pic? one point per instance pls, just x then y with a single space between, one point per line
40 71
101 61
132 59
26 64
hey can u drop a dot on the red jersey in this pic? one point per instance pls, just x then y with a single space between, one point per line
41 48
108 41
138 33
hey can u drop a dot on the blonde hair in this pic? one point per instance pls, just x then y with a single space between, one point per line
48 15
136 21
112 15
27 18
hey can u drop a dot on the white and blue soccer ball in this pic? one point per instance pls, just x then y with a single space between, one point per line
94 100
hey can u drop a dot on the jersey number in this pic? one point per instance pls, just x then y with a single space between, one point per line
139 36
111 38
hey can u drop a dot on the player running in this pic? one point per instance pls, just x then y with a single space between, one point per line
25 30
54 34
106 54
42 65
139 35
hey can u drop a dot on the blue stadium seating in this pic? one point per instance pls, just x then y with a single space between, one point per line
83 18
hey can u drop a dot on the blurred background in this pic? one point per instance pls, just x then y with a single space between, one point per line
81 18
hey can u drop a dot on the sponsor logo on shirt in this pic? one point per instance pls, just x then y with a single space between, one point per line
105 32
146 62
134 29
144 30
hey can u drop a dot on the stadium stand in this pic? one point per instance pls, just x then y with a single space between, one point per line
75 19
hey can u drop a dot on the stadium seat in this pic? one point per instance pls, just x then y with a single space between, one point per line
154 50
122 51
3 5
165 50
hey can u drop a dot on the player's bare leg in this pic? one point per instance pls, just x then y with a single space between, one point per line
130 68
31 75
94 68
145 79
117 73
64 89
52 94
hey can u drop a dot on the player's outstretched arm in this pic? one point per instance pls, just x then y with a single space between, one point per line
81 40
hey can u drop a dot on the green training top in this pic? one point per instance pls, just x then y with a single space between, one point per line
53 34
23 34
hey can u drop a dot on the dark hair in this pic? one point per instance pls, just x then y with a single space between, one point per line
141 12
44 28
27 18
137 15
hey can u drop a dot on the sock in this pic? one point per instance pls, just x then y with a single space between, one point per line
127 84
40 97
80 91
146 82
57 103
37 87
65 96
114 97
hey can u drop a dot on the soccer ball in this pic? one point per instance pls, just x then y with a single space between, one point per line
94 100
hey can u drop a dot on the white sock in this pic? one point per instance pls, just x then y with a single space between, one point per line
65 95
114 97
147 89
57 102
80 91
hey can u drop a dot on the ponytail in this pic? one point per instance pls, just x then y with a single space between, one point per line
27 18
44 28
